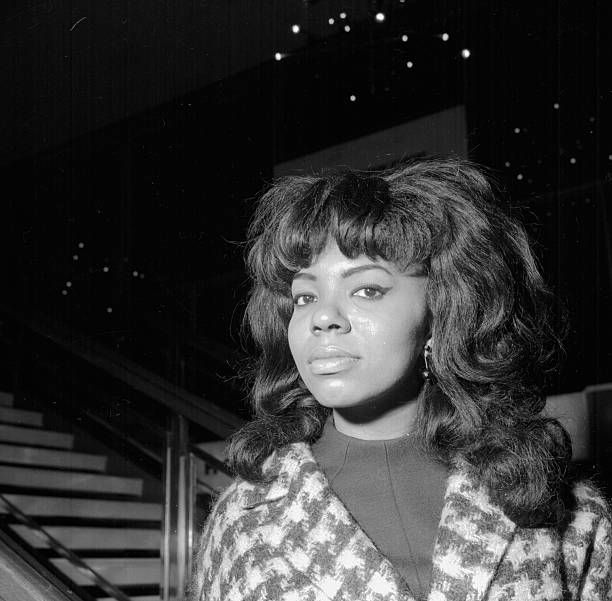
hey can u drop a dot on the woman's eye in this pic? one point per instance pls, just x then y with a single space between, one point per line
370 292
303 299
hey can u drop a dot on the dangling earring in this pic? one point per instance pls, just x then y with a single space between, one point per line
427 375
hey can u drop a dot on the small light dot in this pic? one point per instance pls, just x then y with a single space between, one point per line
142 276
64 292
445 37
556 106
380 17
109 309
81 245
295 28
68 284
517 130
410 64
610 157
404 38
278 56
105 269
507 164
135 274
573 161
331 20
347 28
592 119
519 176
465 53
343 15
75 257
352 97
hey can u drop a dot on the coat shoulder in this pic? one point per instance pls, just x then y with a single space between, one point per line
226 507
231 507
222 528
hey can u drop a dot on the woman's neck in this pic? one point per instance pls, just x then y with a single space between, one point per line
394 422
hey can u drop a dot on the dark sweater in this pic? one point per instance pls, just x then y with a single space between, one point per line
394 492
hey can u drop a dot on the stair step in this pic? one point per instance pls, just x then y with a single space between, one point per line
52 458
6 399
79 537
73 481
9 415
134 598
118 571
43 506
36 437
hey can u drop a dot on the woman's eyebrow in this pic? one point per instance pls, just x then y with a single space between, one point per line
360 268
300 275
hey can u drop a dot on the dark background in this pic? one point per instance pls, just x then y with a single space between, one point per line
136 135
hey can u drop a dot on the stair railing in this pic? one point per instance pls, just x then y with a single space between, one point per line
180 458
180 510
182 485
63 551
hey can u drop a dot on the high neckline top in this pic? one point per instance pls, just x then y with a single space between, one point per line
395 493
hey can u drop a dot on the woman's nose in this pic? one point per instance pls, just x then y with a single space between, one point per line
329 317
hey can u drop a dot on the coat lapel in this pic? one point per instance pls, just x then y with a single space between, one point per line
472 539
321 541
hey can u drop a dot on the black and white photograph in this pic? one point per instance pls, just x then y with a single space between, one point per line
306 300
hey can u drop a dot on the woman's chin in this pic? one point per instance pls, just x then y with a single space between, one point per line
336 401
337 392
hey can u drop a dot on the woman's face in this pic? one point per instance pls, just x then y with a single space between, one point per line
357 330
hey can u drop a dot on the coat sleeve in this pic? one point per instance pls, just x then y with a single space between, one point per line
216 539
597 584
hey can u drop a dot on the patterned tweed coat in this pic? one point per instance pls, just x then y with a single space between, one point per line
293 540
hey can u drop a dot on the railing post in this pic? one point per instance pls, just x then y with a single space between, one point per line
178 518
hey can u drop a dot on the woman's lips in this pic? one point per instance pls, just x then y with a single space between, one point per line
331 365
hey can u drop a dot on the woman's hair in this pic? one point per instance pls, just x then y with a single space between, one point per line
490 311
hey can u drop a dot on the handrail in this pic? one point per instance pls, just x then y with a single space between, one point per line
200 454
194 407
58 547
24 578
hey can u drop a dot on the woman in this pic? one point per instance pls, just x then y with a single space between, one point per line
398 450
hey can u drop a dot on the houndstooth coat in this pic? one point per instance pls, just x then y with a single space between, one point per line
293 540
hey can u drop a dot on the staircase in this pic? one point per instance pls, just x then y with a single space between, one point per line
101 517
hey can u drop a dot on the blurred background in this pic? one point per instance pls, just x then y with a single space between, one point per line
136 135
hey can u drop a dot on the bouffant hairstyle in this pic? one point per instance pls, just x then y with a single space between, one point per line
491 313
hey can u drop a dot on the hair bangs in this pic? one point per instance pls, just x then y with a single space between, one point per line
358 213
